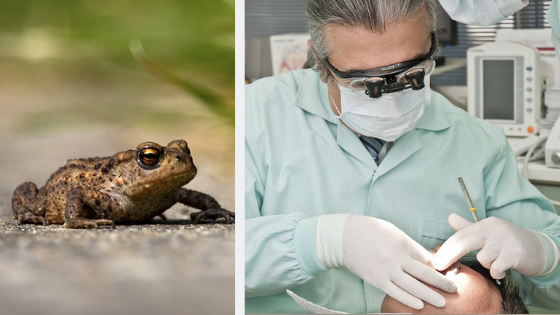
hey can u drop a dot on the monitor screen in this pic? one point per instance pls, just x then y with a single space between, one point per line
498 80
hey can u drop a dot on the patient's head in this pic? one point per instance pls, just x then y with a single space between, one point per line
476 293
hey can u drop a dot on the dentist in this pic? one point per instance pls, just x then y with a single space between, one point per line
351 173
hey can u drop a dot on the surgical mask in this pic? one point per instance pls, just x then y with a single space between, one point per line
553 18
480 12
387 117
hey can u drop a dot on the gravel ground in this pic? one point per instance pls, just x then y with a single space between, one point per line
51 112
166 268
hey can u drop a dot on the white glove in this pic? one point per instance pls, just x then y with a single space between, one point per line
384 256
504 246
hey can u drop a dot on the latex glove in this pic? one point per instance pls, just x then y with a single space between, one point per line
504 246
384 256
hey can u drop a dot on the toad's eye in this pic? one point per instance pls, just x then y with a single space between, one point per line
149 157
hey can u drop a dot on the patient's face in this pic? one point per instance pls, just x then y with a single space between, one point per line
475 294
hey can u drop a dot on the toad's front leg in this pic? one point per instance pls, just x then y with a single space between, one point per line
80 209
211 209
25 210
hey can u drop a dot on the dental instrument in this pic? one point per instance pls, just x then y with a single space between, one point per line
469 201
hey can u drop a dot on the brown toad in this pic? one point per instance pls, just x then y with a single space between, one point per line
129 187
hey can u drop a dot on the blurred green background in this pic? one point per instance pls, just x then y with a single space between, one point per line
196 37
70 86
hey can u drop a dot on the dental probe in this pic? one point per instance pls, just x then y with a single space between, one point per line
469 201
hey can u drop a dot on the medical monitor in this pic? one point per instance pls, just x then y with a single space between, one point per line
504 86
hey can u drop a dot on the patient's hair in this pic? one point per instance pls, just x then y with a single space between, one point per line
515 304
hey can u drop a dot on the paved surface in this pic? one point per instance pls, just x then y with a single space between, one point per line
148 269
51 111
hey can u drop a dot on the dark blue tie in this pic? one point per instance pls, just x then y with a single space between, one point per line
373 145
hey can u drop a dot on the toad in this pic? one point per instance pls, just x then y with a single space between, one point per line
132 186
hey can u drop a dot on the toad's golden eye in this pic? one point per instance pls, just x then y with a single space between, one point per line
149 157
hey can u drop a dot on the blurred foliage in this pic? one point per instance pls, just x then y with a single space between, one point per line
193 38
213 100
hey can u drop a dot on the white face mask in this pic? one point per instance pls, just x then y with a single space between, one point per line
387 117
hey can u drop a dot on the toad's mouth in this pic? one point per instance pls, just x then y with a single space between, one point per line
179 177
170 182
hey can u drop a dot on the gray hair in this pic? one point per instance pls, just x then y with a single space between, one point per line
373 15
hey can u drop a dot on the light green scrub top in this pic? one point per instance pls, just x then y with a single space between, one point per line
301 162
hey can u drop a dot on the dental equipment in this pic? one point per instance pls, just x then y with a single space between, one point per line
469 201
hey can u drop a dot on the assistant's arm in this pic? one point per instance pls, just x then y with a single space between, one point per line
481 12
